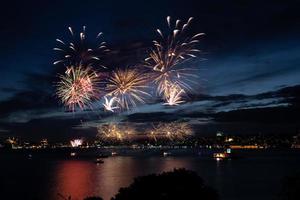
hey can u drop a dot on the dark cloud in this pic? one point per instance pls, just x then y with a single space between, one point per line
249 108
52 128
263 115
36 94
152 117
45 123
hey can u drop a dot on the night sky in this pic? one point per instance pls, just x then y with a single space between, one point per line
249 70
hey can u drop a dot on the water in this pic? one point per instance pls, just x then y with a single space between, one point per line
256 176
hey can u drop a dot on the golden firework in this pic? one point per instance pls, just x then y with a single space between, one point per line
128 85
167 57
173 94
172 131
114 132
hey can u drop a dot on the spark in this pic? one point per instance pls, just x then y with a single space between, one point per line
108 105
78 87
114 132
76 142
128 85
167 57
171 131
78 49
173 95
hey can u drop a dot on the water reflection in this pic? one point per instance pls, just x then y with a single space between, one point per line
233 179
72 178
84 178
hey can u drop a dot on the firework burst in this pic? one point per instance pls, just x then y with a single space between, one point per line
172 131
79 50
173 95
114 132
109 104
128 85
78 87
167 57
76 142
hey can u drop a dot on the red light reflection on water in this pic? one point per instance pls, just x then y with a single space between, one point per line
82 178
72 178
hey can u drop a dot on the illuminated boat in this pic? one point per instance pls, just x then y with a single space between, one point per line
102 156
166 154
72 154
99 161
223 155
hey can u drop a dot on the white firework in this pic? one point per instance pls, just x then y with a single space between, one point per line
109 104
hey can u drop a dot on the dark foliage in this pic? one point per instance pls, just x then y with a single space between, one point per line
179 184
290 188
93 198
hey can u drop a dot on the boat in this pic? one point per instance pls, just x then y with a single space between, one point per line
99 161
72 154
102 156
166 154
227 155
223 155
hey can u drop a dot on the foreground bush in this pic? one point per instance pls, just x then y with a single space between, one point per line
93 198
179 184
290 188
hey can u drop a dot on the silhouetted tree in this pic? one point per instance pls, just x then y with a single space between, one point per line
290 188
93 198
179 184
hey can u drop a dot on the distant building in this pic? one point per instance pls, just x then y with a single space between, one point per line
246 147
229 139
296 142
295 146
220 134
44 143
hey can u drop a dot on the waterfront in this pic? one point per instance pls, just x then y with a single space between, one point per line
256 176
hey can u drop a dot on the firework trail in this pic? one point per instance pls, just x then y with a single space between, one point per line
172 131
79 50
173 95
109 104
114 132
128 85
78 87
167 57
